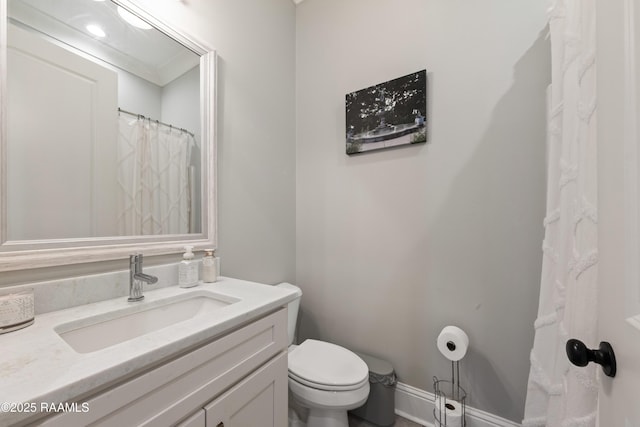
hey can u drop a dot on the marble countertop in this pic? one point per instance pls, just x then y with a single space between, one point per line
37 366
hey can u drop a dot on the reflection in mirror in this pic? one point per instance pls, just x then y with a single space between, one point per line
103 125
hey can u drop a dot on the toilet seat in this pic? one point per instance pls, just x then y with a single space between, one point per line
327 387
325 366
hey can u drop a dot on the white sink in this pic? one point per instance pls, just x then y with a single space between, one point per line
107 329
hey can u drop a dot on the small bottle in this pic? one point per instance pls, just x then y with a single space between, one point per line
188 269
209 266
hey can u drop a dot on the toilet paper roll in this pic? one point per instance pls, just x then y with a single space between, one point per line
448 412
453 343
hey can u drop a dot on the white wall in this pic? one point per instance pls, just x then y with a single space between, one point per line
138 95
181 102
255 130
394 245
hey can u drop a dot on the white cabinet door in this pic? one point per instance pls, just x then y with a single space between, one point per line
258 400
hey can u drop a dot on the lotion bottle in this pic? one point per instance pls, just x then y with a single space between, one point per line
209 266
188 269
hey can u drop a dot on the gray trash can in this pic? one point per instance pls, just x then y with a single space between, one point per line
379 408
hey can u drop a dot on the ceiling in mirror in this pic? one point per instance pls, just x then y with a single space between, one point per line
108 32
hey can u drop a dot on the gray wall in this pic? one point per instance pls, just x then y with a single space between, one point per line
255 41
394 245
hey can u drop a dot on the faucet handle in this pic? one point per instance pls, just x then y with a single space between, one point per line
135 258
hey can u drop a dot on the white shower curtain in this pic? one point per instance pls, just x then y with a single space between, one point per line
153 177
560 394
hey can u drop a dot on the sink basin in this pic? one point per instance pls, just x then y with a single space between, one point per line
107 329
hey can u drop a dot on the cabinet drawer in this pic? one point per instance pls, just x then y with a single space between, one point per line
169 393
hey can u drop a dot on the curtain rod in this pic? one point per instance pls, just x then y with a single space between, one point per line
140 116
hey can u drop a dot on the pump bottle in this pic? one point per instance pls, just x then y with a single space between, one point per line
188 269
209 266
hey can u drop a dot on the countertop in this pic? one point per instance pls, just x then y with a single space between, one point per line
38 367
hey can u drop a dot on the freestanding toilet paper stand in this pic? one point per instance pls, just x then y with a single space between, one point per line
450 407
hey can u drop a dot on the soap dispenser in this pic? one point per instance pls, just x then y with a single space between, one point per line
209 266
188 269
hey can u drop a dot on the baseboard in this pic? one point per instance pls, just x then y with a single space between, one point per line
417 405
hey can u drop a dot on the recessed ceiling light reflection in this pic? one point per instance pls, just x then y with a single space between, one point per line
96 30
133 19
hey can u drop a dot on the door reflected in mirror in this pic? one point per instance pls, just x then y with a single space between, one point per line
104 132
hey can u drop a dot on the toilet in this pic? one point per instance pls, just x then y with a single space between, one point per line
324 378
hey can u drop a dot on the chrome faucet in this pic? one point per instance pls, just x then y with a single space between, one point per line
137 278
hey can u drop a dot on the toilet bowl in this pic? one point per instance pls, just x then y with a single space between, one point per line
325 378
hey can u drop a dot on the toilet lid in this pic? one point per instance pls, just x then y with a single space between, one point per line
327 366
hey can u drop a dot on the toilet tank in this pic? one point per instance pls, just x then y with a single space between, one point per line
292 310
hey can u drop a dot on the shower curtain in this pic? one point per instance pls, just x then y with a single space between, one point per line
560 394
153 178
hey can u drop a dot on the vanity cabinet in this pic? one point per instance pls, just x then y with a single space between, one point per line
238 379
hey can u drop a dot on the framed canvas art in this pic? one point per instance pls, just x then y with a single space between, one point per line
386 115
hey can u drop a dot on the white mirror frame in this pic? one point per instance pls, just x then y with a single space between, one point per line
20 255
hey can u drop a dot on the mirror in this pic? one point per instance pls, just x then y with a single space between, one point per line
107 139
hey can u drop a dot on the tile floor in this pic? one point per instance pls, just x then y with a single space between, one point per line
400 422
